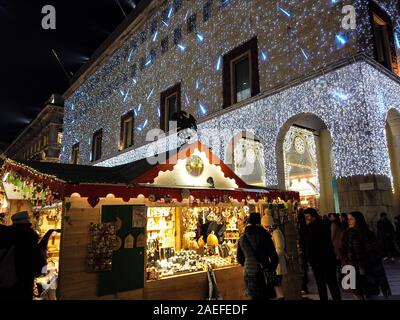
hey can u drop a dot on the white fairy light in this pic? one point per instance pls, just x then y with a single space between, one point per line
343 99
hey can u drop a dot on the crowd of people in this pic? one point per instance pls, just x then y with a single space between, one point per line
327 244
351 243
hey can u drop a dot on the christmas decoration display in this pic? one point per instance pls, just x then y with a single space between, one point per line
100 251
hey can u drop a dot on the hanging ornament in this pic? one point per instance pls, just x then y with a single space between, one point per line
167 199
185 193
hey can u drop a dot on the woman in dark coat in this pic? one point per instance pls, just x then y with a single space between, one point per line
28 259
256 244
361 250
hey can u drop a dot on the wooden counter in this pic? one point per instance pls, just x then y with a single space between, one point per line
195 286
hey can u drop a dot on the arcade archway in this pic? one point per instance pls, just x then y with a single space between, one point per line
304 162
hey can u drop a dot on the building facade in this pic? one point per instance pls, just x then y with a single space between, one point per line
41 139
305 91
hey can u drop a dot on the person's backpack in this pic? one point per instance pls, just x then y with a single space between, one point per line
8 275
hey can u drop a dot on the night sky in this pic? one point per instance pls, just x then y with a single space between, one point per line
29 72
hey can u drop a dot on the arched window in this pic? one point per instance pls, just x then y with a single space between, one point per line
246 157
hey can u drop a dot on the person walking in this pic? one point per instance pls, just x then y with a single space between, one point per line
279 242
302 230
321 255
343 221
28 260
336 233
255 252
397 225
360 249
386 237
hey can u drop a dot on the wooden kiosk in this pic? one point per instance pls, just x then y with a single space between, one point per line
137 231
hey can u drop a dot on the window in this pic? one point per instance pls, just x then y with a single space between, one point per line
191 23
126 136
385 52
133 71
177 5
59 138
75 153
143 35
164 45
142 63
134 45
207 8
241 78
240 73
170 104
177 36
153 55
153 26
96 145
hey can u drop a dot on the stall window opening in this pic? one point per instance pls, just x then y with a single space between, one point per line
182 240
240 73
126 139
96 145
170 104
383 36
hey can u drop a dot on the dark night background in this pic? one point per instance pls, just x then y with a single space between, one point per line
29 72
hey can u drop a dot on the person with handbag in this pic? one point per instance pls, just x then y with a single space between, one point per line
256 252
279 242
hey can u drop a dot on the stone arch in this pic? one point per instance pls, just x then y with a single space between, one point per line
312 122
255 173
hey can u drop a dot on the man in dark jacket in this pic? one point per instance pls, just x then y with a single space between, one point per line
255 245
386 237
397 224
302 229
28 259
321 255
219 228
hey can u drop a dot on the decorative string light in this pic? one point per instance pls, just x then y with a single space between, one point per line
96 103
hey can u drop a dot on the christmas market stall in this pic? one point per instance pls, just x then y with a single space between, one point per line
31 192
165 227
